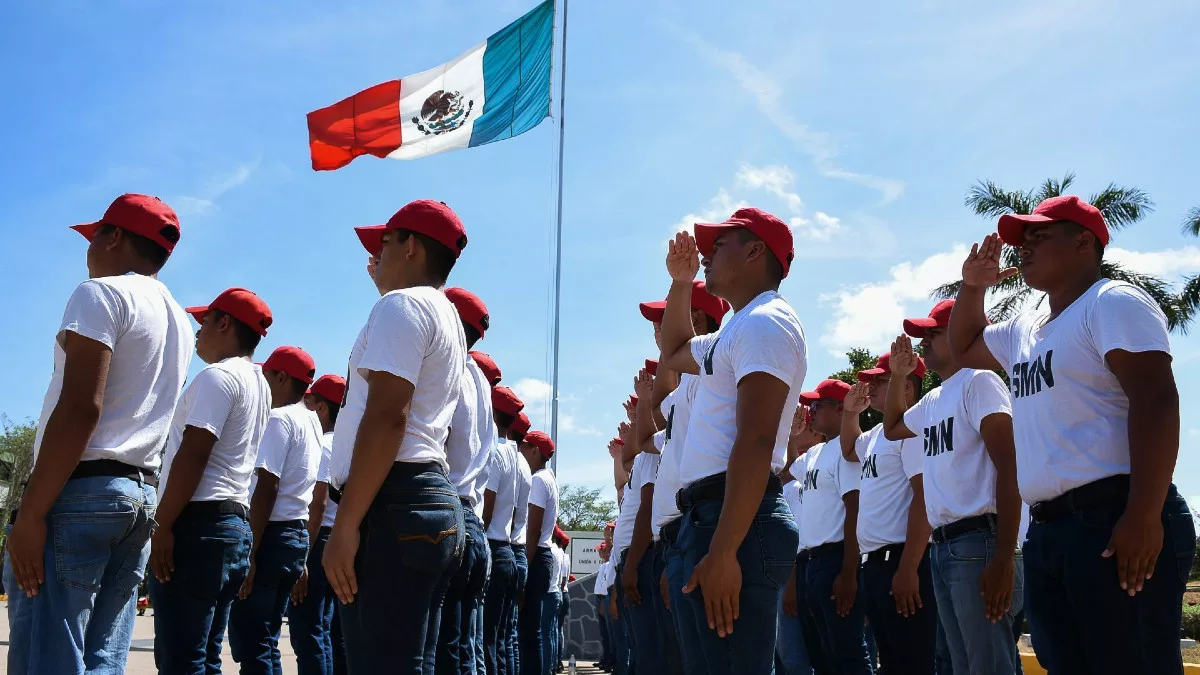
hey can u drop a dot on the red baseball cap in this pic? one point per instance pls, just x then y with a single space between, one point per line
939 317
1067 207
504 400
470 308
828 389
294 361
241 304
633 398
884 365
619 441
490 370
329 387
773 231
521 424
652 366
425 216
140 214
541 441
701 300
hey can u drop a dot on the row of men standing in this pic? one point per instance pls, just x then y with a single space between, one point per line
398 490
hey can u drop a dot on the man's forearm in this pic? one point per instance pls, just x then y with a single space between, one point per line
894 408
745 485
186 472
63 443
848 436
262 503
371 459
316 512
665 382
1153 451
967 319
677 318
1008 511
850 557
916 538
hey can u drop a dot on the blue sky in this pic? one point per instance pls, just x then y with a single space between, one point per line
862 125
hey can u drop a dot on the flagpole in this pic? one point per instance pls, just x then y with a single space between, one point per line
562 128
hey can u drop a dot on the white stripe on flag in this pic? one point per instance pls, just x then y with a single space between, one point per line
451 116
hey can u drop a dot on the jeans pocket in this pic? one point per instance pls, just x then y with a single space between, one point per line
705 515
84 544
777 540
1179 534
974 547
427 536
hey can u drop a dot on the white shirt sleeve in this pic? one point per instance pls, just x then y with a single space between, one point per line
1125 317
986 395
95 311
539 491
764 346
999 340
915 418
398 336
647 470
495 471
860 444
700 346
214 391
659 438
912 457
273 449
848 475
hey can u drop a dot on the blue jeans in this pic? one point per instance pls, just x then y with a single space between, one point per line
642 624
666 629
682 612
97 546
606 649
843 640
550 635
1081 620
337 640
514 631
906 645
497 610
255 623
539 583
765 557
618 630
790 649
411 542
311 621
463 604
817 658
977 646
191 611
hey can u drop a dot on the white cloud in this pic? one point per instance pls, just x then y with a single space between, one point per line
186 205
537 395
777 180
720 207
1165 263
206 200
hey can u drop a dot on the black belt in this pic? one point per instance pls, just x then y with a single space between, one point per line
398 470
945 533
670 531
883 554
94 468
496 543
712 488
288 523
217 508
1095 493
810 553
324 531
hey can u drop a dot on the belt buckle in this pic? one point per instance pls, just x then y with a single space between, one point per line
864 558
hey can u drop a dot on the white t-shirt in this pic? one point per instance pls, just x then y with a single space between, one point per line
1070 415
415 334
291 450
232 401
544 493
765 336
152 344
521 505
502 480
472 435
564 565
885 490
828 477
677 409
323 477
960 479
791 495
603 578
645 468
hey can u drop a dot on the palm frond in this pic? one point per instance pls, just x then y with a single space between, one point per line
1054 188
1009 304
1191 222
1187 304
1155 287
986 198
1122 206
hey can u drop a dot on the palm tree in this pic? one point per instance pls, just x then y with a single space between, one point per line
1121 206
1188 301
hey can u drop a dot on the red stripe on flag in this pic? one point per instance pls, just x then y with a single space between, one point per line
367 123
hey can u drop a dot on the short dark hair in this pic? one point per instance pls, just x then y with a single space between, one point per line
299 389
333 407
504 419
1073 228
439 256
917 383
713 324
473 335
247 337
774 268
147 250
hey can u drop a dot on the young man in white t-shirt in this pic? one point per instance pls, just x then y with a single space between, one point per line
537 614
970 484
200 553
736 536
607 662
828 523
524 481
1097 423
121 355
389 449
281 491
499 503
893 530
468 450
311 615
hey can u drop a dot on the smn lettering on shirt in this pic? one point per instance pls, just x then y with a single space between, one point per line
869 469
939 438
810 479
1028 376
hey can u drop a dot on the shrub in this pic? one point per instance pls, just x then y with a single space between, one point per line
1191 621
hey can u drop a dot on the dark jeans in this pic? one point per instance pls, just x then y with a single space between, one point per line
501 595
643 626
606 649
843 641
906 645
464 601
1081 620
564 612
212 558
619 627
310 622
666 629
514 632
541 578
411 542
338 641
808 623
683 615
255 623
765 557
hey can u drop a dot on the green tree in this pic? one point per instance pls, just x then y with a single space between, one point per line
1121 206
581 509
860 358
1189 297
16 461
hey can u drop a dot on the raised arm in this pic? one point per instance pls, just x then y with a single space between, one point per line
980 272
903 361
683 262
857 400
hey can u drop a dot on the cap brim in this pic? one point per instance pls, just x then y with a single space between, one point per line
917 327
810 396
653 311
88 230
371 237
1011 227
706 234
870 374
197 313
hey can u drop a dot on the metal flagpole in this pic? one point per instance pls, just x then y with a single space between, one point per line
562 127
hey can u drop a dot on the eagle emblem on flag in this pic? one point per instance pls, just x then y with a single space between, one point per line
443 111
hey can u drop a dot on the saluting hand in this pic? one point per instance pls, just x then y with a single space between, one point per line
630 410
643 384
802 435
982 267
904 359
683 258
858 399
